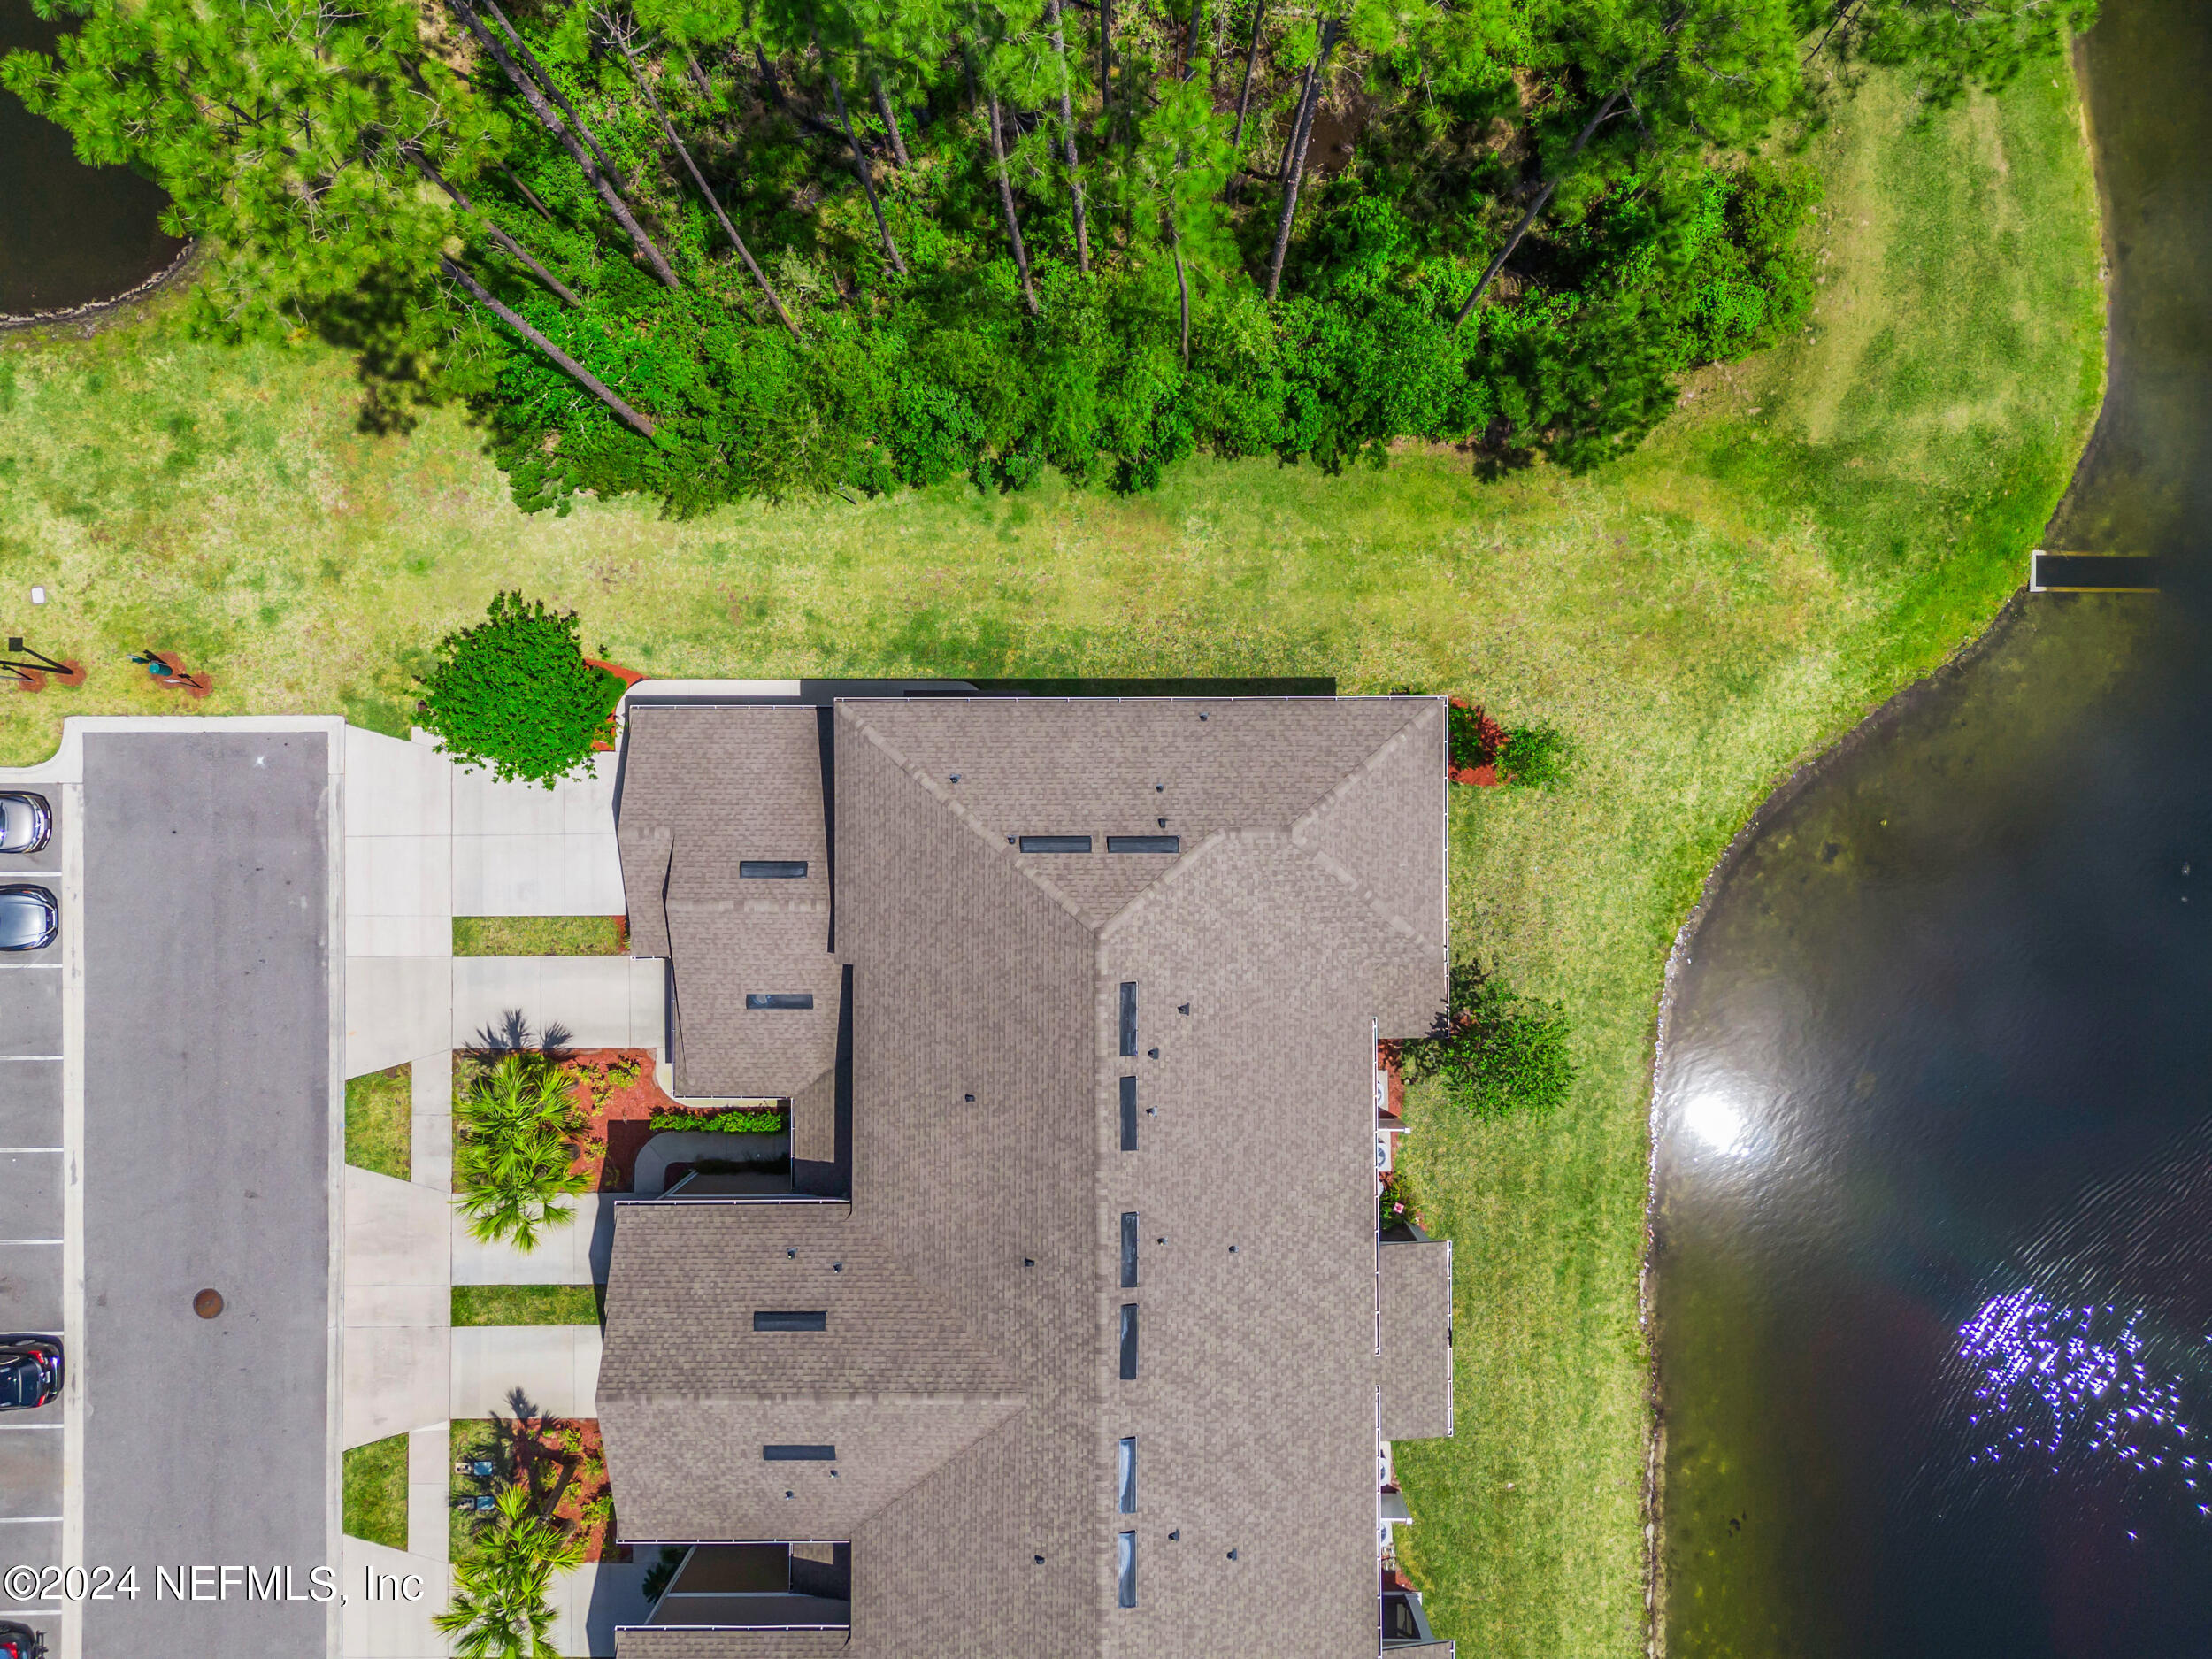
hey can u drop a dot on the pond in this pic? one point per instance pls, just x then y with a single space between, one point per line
69 233
1932 1269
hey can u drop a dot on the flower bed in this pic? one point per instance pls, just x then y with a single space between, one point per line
1476 741
767 1122
559 1459
621 1098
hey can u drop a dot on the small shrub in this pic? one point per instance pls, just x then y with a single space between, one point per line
1476 738
730 1123
1497 1053
1395 1206
515 694
1536 756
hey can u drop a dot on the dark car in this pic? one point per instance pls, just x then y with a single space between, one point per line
29 919
20 1641
25 821
30 1373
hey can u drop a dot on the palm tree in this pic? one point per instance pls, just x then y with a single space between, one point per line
499 1609
515 1146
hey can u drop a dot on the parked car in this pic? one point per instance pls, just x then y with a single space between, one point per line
25 821
20 1641
29 919
30 1373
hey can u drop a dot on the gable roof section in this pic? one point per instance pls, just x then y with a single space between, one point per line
689 1393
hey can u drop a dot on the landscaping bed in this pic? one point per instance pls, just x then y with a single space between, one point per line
562 1459
380 1121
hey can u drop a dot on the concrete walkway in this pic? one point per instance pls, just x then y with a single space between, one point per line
556 1366
600 1001
576 1253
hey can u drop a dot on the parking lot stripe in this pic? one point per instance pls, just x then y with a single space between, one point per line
33 1056
8 1242
26 1520
30 967
33 1148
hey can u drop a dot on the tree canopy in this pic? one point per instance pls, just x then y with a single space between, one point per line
720 249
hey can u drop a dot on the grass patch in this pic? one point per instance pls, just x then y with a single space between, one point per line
472 1439
380 1121
541 936
529 1304
375 1492
1812 530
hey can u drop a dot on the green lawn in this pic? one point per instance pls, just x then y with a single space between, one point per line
1813 529
380 1121
375 1494
527 1304
539 936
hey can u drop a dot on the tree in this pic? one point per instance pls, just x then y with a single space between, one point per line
515 693
500 1608
514 1146
1497 1053
1952 45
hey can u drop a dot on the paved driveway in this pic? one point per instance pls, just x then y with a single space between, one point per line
31 1227
206 1150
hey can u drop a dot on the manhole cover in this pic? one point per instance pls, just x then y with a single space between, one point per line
208 1303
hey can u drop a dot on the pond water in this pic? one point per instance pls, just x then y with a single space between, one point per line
1933 1276
69 233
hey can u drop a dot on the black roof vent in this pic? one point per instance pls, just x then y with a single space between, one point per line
772 869
779 999
1145 843
1055 843
798 1454
790 1320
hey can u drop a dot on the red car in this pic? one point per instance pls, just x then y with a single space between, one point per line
30 1375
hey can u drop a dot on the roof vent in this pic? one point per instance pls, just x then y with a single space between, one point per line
1184 1009
1145 843
772 869
790 1320
1055 843
971 1099
779 999
1232 1554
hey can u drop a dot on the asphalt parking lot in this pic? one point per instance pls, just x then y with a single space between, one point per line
31 1223
206 1147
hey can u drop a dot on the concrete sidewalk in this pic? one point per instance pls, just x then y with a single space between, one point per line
555 1366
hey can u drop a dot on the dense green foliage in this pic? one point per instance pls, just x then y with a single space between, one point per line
1497 1053
500 1608
514 1144
515 693
985 240
767 1122
1536 756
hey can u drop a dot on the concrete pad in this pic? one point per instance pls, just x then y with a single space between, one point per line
429 1490
30 1287
508 875
28 1544
574 1254
484 806
378 1620
600 1001
399 936
396 1007
30 1103
30 1013
395 788
30 1470
396 1231
593 869
487 989
590 1601
431 1155
591 997
395 1380
30 1195
368 1307
556 1366
399 875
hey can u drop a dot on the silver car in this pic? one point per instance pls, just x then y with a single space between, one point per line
29 919
25 821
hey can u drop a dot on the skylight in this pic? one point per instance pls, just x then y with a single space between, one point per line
1129 1018
1125 1476
1128 1341
1144 843
790 1320
798 1454
1125 1568
1128 1253
1055 843
779 999
772 869
1129 1114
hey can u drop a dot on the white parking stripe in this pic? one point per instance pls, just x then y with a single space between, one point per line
29 1428
7 1241
32 1057
30 967
33 1148
25 1520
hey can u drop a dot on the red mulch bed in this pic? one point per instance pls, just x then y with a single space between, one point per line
619 1117
1396 1096
629 677
580 1476
1485 776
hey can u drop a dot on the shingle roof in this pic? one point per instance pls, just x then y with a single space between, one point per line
1416 1349
1304 903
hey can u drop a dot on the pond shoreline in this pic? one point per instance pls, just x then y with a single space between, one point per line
1878 722
116 309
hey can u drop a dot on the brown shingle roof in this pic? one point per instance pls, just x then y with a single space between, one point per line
1416 1339
1306 901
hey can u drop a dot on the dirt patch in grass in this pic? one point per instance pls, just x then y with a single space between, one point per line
540 935
375 1492
380 1121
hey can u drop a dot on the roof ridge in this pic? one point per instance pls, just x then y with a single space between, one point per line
1175 872
936 792
1303 826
